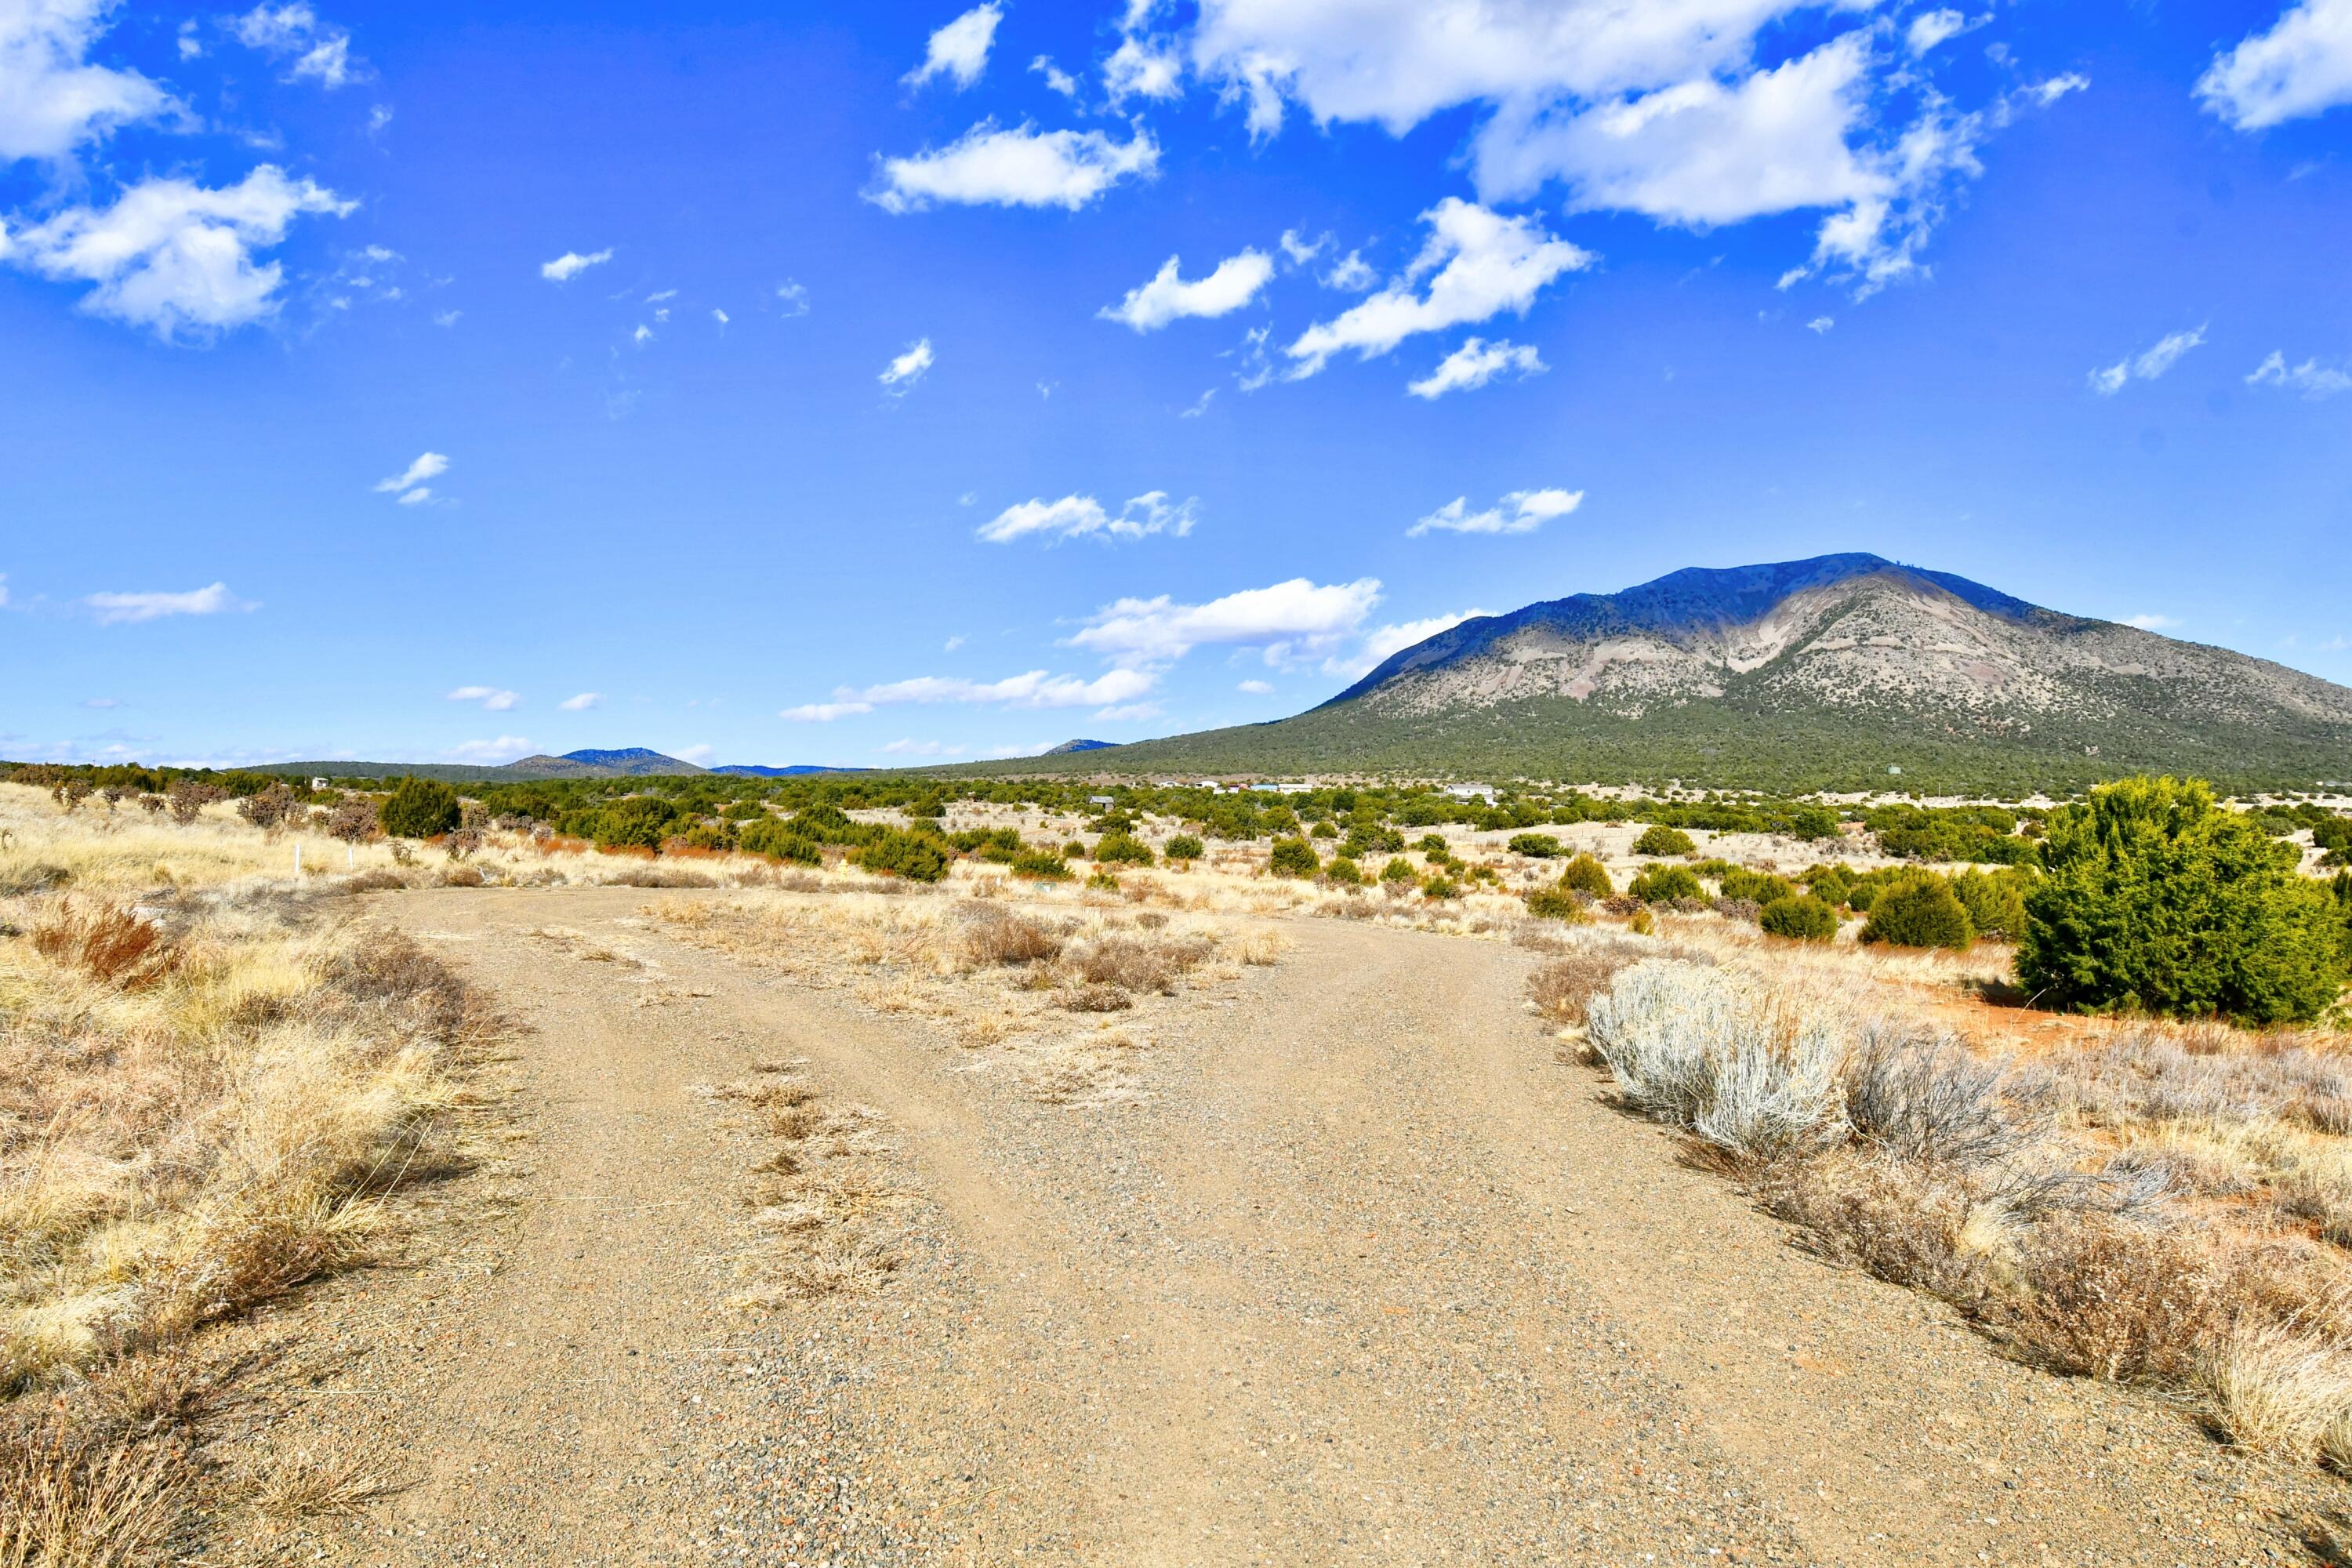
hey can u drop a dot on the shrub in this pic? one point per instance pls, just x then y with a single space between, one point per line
994 934
1042 866
828 824
1923 912
779 841
1184 847
419 808
1398 870
1831 884
1918 1095
1074 850
1660 839
1122 850
1536 846
1756 887
1103 882
1364 840
1663 884
1433 844
269 808
188 797
1562 989
1440 887
109 943
2157 898
1324 830
1294 857
1995 901
1586 874
918 858
1344 871
1696 1048
1552 904
353 820
1800 917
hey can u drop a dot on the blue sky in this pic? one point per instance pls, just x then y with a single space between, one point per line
891 383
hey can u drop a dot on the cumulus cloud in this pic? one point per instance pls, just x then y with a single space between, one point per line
1820 325
1056 78
2147 365
320 52
174 255
900 375
2148 621
1287 618
427 466
571 264
1032 689
1521 512
1301 251
2301 66
1477 363
2311 378
825 713
1142 69
793 298
129 609
1256 688
582 702
1476 264
1660 109
52 100
1352 274
1082 517
1234 284
490 697
1383 642
1023 167
961 49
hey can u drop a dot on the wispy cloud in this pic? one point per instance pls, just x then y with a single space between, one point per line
2148 621
1023 167
126 609
1521 512
960 49
902 373
490 697
503 749
2311 378
825 713
1477 363
570 264
2147 365
1167 297
582 702
1081 517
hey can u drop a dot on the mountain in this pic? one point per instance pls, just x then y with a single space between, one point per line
757 770
1825 673
1068 747
629 762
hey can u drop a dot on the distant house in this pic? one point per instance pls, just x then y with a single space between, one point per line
1102 800
1471 792
318 784
1267 789
1213 787
1294 789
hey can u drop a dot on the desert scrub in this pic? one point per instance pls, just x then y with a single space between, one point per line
1923 912
1294 857
199 1125
419 808
1184 848
2157 899
1665 884
1661 840
1586 874
1800 917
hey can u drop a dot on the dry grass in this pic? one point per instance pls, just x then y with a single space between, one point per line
820 1204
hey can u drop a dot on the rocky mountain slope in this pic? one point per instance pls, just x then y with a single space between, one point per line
1806 673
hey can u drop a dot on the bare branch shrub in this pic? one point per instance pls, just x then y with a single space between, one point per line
992 934
1917 1094
107 943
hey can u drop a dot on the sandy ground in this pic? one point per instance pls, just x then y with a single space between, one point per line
1367 1276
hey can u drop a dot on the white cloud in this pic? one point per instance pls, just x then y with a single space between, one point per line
793 298
2311 378
1201 408
1477 363
421 496
1381 642
961 49
1659 109
2148 622
1299 251
907 368
1129 713
1521 512
657 299
718 315
427 466
582 702
1234 284
952 643
642 336
1821 324
3 590
446 318
1352 274
1058 79
1930 28
1299 616
490 697
129 609
908 748
2303 66
1020 167
505 748
697 754
1477 264
191 47
1256 688
320 53
2147 365
174 255
825 713
571 264
1080 517
52 100
1137 68
1034 689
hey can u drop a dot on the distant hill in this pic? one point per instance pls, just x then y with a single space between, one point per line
628 762
1823 673
1068 747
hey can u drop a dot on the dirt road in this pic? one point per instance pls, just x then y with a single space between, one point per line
1367 1276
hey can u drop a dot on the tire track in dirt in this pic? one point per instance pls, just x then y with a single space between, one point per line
1367 1276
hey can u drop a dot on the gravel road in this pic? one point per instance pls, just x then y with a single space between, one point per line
1367 1276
